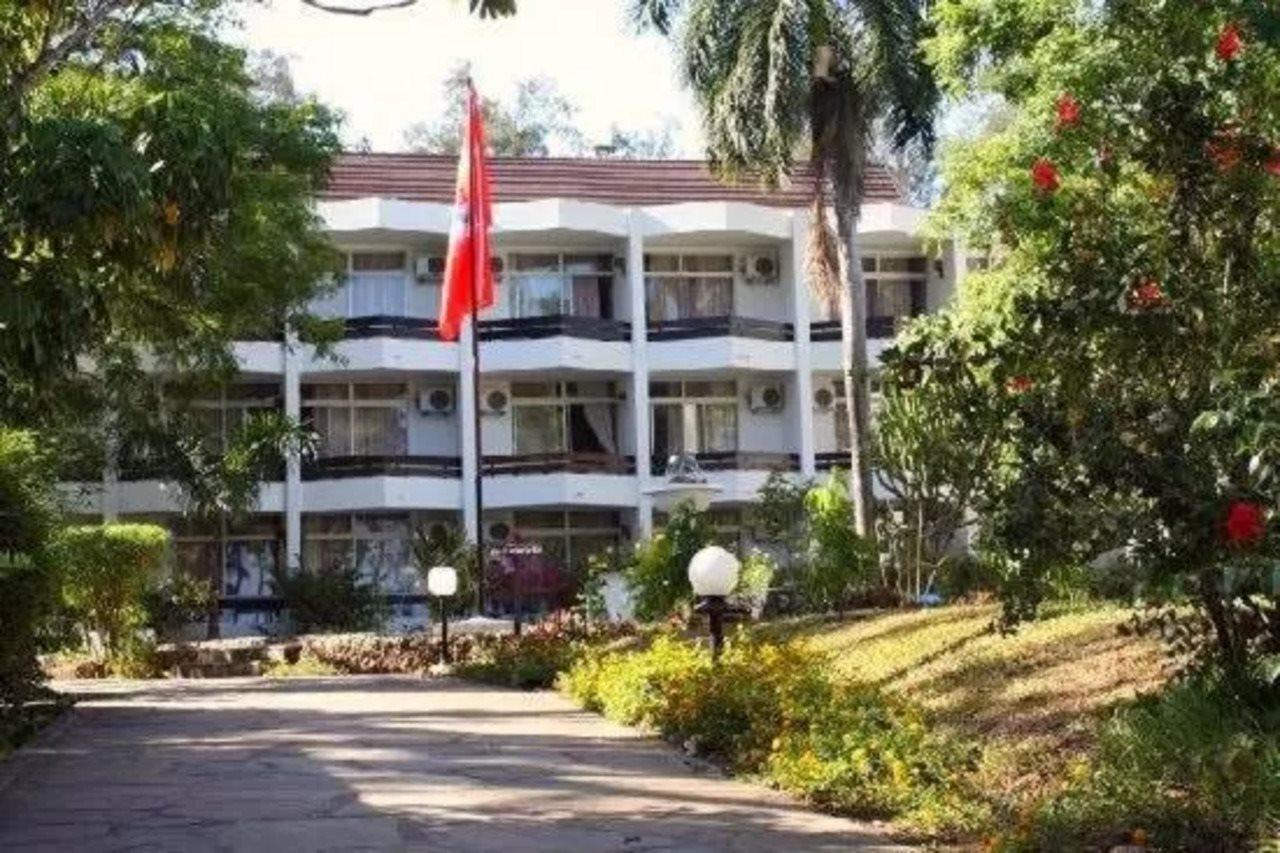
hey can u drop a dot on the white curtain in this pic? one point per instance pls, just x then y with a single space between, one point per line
600 418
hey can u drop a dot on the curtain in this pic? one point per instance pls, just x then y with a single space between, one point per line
717 427
586 297
600 418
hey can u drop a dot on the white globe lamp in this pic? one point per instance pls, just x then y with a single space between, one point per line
713 574
442 582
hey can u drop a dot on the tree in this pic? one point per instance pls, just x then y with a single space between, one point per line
938 435
483 8
642 144
154 207
1131 209
541 121
771 76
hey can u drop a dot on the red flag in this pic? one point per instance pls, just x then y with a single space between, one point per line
468 277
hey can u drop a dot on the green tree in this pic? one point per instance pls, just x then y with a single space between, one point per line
541 120
776 77
1131 209
155 205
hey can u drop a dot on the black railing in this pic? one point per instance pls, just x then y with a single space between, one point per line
554 325
344 467
559 463
134 471
735 460
717 327
877 327
390 326
831 459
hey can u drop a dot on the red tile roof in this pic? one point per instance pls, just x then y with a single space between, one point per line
429 177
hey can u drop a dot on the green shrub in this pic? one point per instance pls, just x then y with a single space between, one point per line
332 600
306 666
1193 768
540 654
106 571
176 602
657 572
840 561
772 709
28 512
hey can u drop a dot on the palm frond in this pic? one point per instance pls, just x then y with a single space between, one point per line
892 64
658 14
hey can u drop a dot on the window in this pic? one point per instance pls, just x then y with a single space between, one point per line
240 560
377 546
840 411
693 417
378 283
569 539
679 287
217 420
549 284
895 288
363 419
564 417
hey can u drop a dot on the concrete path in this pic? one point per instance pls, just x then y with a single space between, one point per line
376 763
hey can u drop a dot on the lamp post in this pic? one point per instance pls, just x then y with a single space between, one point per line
713 573
442 582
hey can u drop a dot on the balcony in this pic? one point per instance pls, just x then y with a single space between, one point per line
878 328
554 325
346 467
716 327
734 460
390 326
559 463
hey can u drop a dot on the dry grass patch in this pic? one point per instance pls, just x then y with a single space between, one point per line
1034 698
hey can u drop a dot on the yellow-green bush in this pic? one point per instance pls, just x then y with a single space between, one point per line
106 571
772 709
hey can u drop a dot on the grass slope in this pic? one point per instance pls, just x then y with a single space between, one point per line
1033 698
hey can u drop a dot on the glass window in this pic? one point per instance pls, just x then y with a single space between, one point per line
708 263
533 389
550 284
668 428
889 298
661 263
900 264
710 389
379 431
538 429
378 261
379 391
717 427
535 263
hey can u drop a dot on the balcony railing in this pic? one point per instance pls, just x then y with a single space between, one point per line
559 463
735 460
717 327
345 467
877 328
554 325
831 459
389 326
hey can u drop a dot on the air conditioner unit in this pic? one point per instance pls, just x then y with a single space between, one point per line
436 401
761 269
823 399
498 531
428 269
497 264
767 398
494 401
438 531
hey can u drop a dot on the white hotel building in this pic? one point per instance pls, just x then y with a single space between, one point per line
644 309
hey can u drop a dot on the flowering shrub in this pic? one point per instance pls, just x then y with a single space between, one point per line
540 653
773 709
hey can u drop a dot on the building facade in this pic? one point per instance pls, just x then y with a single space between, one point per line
644 310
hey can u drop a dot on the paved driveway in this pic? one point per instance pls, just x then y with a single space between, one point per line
375 763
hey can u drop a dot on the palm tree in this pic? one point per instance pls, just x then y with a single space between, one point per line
778 81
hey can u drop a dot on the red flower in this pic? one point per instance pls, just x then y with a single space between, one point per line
1229 43
1224 150
1068 112
1147 294
1246 523
1045 175
1019 384
1273 162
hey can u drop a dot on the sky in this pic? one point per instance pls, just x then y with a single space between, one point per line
385 71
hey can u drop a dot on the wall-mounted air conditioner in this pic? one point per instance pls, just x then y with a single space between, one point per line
767 398
494 401
823 399
428 269
760 269
436 401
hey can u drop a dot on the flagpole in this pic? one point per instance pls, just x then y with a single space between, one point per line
475 372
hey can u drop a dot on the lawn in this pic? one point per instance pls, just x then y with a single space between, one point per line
1033 698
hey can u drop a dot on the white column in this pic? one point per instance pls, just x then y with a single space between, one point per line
467 401
793 265
640 375
955 266
292 380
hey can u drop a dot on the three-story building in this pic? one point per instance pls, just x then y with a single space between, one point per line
644 310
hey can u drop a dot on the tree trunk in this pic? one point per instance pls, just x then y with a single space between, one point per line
853 349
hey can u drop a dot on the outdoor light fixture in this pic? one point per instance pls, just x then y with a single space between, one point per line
713 573
442 582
